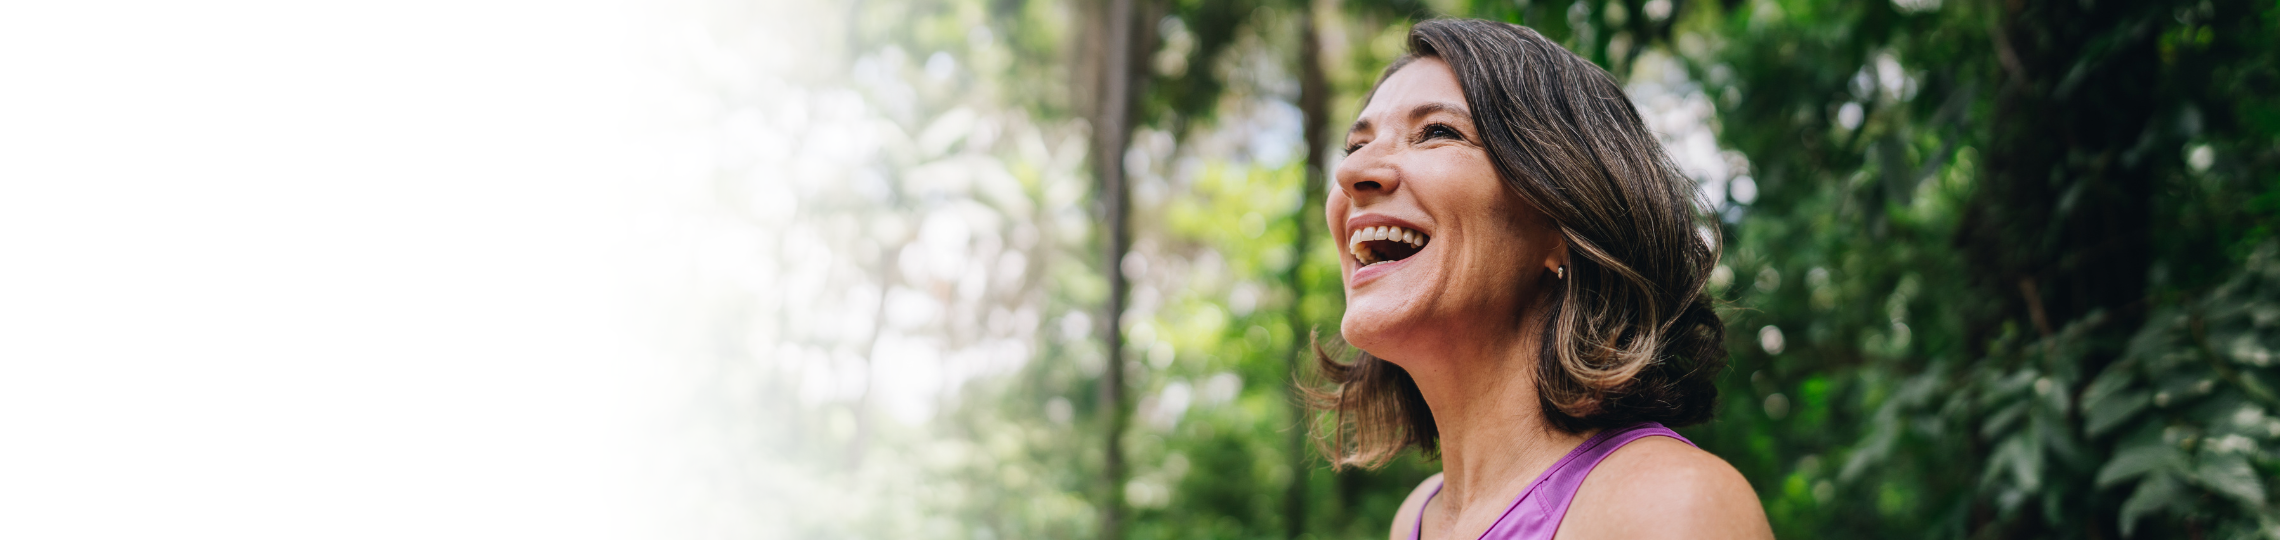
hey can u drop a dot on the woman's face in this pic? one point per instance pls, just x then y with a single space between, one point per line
1437 253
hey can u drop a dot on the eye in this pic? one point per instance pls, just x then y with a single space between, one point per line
1353 147
1440 131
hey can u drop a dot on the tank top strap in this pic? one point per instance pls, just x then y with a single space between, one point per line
1418 530
1536 513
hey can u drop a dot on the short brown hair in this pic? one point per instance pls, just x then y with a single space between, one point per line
1629 335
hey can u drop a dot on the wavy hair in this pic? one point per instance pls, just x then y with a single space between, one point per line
1629 336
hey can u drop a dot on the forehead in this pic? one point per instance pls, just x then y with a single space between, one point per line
1426 80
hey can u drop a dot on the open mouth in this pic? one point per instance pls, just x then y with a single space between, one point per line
1376 245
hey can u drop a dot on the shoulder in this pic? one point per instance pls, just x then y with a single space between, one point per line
1659 487
1405 520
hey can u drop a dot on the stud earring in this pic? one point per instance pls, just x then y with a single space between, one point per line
1563 271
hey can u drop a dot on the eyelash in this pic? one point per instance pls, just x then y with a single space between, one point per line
1431 131
1431 128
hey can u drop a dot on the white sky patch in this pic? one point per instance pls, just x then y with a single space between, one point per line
1744 189
909 378
1277 140
1681 116
1916 6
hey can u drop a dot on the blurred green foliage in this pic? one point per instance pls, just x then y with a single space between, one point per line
1987 235
1992 269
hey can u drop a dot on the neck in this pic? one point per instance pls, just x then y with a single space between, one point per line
1494 437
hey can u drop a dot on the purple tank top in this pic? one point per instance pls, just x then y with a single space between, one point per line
1536 514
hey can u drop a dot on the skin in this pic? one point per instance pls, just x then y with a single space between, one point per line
1451 316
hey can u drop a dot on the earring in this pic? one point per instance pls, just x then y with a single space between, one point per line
1563 271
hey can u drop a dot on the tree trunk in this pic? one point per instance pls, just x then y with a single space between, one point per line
884 276
1112 132
2060 227
1314 102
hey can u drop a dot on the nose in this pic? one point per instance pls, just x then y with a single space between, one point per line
1366 176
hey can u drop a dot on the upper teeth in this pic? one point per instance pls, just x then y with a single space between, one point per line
1366 234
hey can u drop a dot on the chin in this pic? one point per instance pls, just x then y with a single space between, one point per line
1391 312
1378 330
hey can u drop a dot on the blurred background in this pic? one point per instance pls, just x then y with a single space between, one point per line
986 269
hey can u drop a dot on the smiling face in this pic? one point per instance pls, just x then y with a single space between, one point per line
1438 253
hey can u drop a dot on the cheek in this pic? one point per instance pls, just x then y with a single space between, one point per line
1511 220
1501 236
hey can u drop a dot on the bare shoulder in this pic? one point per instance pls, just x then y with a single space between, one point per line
1659 487
1406 519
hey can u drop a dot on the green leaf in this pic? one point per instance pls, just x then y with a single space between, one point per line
2158 492
2104 414
2137 461
2018 456
2004 420
2112 380
2230 474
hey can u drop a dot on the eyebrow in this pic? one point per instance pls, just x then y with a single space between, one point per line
1420 111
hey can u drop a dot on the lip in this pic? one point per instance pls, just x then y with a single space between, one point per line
1363 275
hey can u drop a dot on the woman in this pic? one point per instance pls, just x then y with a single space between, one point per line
1524 271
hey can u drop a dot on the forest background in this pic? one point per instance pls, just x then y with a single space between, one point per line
1048 269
